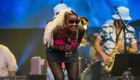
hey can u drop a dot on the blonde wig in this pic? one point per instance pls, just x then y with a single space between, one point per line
57 22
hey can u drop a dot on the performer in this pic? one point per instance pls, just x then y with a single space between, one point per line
57 9
93 54
59 34
8 63
110 34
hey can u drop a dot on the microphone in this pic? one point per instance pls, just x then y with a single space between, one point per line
68 43
61 2
116 9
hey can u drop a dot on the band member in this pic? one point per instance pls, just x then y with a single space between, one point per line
62 37
57 9
110 34
8 63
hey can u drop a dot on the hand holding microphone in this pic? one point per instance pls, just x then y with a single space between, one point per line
69 52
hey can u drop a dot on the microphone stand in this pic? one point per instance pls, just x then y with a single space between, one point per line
126 73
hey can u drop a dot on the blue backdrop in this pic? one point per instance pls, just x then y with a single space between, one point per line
35 13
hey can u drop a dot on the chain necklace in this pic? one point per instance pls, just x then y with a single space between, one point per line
67 35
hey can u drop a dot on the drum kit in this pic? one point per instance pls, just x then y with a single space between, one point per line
89 72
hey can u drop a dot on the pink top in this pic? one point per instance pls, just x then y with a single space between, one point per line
7 61
61 42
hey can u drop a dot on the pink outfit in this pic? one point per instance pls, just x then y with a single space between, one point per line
7 61
61 42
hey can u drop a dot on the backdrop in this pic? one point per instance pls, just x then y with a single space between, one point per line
35 13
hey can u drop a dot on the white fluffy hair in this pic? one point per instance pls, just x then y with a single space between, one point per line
57 22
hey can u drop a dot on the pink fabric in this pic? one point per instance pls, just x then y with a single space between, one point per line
73 43
63 65
61 42
7 61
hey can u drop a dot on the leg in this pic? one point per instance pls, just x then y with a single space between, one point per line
72 70
56 69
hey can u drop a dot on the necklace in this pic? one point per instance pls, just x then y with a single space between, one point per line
67 35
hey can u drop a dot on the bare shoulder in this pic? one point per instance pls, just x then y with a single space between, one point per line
56 30
81 29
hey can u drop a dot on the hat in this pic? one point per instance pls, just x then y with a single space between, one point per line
58 8
124 13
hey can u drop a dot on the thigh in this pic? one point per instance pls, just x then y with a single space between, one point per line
72 70
57 71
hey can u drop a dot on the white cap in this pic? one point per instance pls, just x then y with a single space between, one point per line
124 13
58 8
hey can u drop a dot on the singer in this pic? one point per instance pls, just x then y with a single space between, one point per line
110 34
62 38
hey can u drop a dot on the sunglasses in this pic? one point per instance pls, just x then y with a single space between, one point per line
72 21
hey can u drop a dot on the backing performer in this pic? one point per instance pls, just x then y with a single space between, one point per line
59 34
8 63
109 35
